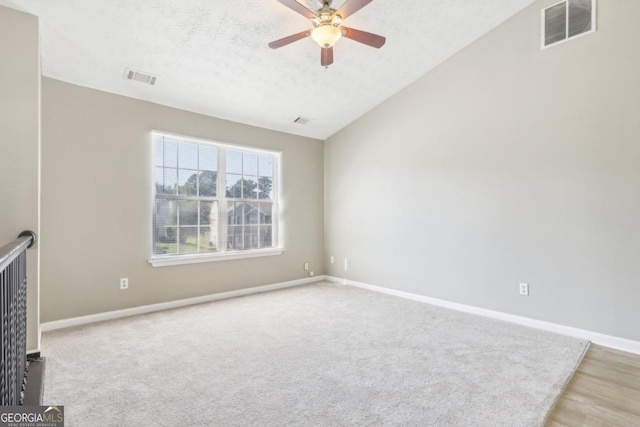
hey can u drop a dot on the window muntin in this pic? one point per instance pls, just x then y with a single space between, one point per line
212 198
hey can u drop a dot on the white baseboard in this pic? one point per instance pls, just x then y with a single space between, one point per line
110 315
618 343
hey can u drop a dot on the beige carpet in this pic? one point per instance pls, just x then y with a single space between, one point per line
318 355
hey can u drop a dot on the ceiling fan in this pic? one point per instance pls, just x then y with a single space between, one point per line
328 28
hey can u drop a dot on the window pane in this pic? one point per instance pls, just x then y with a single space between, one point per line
188 182
251 240
266 213
265 166
208 183
250 187
158 179
167 245
555 24
188 212
208 239
187 156
249 163
208 226
170 153
235 213
251 213
234 162
209 213
164 221
170 177
234 186
265 237
579 17
158 152
265 187
165 212
234 237
208 158
188 240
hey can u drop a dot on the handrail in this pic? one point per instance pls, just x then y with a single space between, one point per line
10 251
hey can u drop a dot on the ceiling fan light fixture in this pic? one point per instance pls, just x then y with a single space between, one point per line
326 35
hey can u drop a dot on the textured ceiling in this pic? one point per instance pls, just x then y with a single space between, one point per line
211 56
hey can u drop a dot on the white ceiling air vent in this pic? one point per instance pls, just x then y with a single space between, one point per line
139 76
302 120
567 19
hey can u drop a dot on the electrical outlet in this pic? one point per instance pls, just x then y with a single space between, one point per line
306 266
311 273
124 283
347 264
524 289
332 260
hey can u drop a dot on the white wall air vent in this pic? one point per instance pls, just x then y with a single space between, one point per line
302 120
139 76
566 20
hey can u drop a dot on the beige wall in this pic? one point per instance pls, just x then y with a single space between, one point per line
96 204
20 143
506 164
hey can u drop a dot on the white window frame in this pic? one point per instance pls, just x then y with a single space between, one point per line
277 234
594 13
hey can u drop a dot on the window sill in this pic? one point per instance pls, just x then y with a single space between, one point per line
195 259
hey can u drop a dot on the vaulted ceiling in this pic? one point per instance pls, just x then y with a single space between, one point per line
211 56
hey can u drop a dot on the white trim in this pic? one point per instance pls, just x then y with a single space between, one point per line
111 315
595 337
221 256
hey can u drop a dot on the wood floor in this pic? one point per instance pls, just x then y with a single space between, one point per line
605 391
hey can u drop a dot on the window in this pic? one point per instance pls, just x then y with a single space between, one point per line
567 19
212 201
